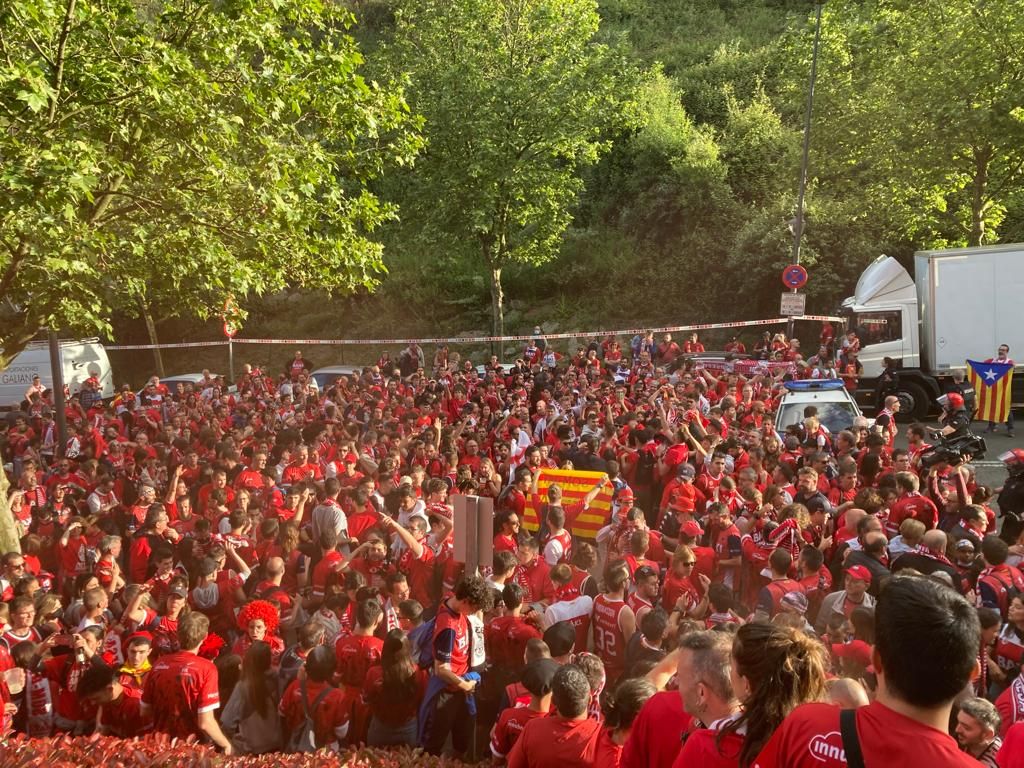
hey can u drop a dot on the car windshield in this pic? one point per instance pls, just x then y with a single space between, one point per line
323 380
835 416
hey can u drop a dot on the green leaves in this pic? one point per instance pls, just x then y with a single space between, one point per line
194 152
517 97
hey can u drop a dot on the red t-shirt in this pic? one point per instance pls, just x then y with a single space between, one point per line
179 688
556 741
451 639
809 738
328 566
124 717
510 727
389 709
704 749
356 654
420 572
657 732
506 639
331 713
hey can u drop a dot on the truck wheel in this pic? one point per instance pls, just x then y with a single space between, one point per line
913 402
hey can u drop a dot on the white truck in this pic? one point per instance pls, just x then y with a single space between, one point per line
961 304
80 360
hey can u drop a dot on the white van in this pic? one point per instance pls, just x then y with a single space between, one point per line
81 359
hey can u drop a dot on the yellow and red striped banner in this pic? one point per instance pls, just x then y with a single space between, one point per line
991 382
575 485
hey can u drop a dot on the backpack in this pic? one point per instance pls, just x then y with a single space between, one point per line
645 463
304 739
1004 591
422 641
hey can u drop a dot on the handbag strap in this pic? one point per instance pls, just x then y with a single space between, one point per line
851 742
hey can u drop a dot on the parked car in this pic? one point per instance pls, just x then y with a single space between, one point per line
837 409
326 376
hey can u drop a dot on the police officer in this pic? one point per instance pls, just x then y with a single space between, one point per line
1011 496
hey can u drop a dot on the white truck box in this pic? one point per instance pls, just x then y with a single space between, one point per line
81 359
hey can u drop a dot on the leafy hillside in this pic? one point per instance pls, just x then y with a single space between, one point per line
665 189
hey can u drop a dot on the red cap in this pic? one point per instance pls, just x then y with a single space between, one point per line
514 422
856 651
145 636
859 572
350 458
625 495
692 528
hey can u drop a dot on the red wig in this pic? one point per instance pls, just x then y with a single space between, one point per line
259 609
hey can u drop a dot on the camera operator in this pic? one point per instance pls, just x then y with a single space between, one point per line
1011 496
956 421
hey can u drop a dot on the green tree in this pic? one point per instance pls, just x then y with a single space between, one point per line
922 112
159 157
517 96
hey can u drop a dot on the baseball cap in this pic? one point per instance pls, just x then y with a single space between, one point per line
644 572
859 572
178 591
965 544
692 528
625 496
687 471
856 651
538 674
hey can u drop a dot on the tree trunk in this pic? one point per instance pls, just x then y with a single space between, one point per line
979 197
153 339
9 539
497 305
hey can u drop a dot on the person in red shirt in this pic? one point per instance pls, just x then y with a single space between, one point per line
926 645
328 706
417 560
506 636
614 621
507 538
533 573
620 713
119 707
445 709
356 654
181 692
536 679
568 739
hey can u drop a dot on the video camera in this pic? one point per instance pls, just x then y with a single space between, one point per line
953 451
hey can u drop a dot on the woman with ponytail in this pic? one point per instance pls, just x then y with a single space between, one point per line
620 711
774 669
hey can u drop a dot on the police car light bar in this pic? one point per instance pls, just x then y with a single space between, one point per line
821 385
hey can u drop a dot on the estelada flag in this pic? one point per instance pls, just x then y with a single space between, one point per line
576 484
991 382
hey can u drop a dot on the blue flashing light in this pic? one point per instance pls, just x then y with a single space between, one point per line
814 385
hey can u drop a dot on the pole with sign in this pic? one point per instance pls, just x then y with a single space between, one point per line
793 304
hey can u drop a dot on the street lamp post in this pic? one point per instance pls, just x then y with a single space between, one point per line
798 225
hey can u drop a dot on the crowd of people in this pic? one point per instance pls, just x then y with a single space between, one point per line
271 567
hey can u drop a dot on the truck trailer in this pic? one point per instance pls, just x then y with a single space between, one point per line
961 304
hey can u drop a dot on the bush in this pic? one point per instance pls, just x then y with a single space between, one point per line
156 751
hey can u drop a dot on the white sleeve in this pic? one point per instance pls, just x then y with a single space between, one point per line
553 552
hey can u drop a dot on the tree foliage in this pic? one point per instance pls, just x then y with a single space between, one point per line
172 154
517 97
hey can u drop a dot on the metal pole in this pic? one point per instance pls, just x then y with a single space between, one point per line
57 374
231 360
798 229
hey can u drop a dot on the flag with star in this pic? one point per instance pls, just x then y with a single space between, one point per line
991 382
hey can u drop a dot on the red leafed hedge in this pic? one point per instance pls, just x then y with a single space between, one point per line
160 752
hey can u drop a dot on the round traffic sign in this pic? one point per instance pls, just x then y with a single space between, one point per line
230 328
232 321
794 276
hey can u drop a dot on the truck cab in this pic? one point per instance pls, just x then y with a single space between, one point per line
886 315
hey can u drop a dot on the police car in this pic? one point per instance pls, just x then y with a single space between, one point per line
837 409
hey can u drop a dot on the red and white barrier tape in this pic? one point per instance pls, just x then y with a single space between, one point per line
483 339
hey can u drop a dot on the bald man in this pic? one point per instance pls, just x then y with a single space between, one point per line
271 589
